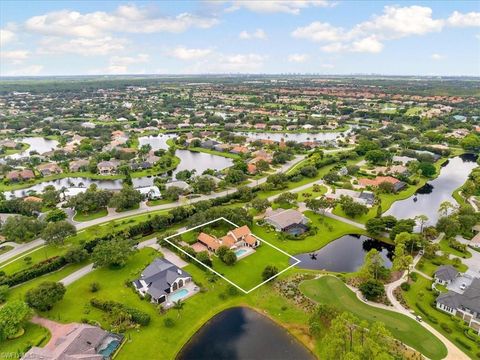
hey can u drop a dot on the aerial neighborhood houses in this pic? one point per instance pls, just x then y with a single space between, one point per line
240 237
366 198
108 167
373 183
463 296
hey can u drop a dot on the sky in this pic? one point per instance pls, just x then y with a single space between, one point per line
212 37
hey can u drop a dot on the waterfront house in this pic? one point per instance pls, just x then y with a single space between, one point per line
49 169
20 175
445 274
78 165
289 220
397 184
108 167
234 239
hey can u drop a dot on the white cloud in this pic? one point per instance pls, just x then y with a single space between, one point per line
129 60
437 57
368 36
14 56
6 36
458 19
278 6
397 22
183 53
298 58
81 46
126 18
318 31
257 34
369 44
30 70
241 63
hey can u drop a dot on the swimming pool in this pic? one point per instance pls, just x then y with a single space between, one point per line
240 252
108 350
180 294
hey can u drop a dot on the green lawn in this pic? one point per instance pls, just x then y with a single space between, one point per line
304 194
247 272
330 290
35 335
214 152
5 248
92 216
413 298
428 267
445 247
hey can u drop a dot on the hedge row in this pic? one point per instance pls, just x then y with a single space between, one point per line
39 269
138 316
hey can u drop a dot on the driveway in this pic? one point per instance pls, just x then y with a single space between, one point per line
20 249
167 253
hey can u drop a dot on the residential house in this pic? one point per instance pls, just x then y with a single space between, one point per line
397 184
234 239
178 183
465 306
160 279
366 198
289 220
108 167
78 165
221 147
19 175
150 192
209 144
49 169
393 170
260 126
445 274
239 150
403 159
77 341
475 241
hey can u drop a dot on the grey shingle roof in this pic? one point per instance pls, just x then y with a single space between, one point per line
446 273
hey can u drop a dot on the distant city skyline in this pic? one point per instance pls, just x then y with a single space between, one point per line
429 38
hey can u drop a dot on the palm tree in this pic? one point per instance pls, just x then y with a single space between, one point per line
422 219
445 206
178 305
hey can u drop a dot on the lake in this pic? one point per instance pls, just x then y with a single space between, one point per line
200 161
429 197
297 137
38 144
243 334
345 254
156 141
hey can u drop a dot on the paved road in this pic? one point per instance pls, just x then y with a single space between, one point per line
20 248
345 220
473 263
77 275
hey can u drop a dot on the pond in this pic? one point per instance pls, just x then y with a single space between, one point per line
200 161
38 144
156 141
297 137
428 198
345 254
242 334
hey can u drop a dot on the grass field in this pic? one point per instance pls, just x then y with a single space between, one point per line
214 152
330 290
34 335
92 216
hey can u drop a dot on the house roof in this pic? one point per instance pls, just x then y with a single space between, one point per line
208 240
446 273
470 299
284 218
228 240
160 274
241 231
250 239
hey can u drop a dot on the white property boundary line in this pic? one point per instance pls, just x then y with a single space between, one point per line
297 261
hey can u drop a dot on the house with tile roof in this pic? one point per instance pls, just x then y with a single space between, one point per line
234 239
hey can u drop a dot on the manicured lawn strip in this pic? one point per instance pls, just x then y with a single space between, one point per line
330 290
214 152
158 202
197 310
445 247
87 217
155 171
35 335
428 267
314 194
5 248
412 298
36 256
310 243
247 272
15 151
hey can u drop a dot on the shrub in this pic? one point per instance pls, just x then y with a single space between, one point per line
137 316
445 327
405 286
414 276
463 343
169 322
42 268
94 287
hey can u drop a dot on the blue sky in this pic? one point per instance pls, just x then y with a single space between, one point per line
189 37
